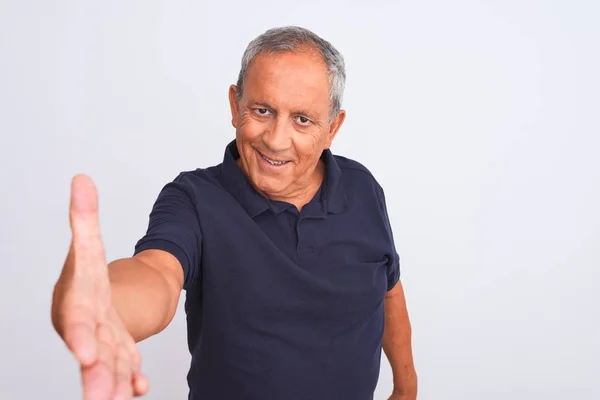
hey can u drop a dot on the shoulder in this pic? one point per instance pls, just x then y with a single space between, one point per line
360 183
199 175
355 173
196 181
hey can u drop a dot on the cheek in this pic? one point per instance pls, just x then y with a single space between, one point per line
309 147
312 142
250 129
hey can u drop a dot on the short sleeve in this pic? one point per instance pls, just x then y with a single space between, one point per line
393 264
174 227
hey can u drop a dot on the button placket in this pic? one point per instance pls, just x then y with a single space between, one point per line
298 237
305 248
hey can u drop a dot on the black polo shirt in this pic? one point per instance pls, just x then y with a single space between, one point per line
280 304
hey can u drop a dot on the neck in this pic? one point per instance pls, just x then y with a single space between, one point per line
301 195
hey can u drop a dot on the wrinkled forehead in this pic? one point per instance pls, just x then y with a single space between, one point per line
289 80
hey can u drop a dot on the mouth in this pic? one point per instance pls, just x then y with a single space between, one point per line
270 161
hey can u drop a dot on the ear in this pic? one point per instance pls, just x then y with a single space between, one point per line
234 105
335 125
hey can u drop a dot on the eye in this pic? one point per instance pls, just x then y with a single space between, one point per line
303 120
262 111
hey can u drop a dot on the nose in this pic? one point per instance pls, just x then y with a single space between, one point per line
278 136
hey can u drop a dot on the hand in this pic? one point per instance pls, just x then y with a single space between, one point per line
401 397
82 311
396 395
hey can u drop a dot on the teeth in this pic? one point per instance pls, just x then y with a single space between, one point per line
273 162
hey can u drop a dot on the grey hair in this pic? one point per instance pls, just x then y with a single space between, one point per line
294 39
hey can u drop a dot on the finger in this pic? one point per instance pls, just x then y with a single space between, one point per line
140 384
85 226
99 378
81 341
123 387
134 354
79 334
139 381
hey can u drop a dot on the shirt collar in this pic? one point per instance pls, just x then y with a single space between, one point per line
334 195
330 198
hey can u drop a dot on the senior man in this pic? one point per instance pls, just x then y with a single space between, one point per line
285 252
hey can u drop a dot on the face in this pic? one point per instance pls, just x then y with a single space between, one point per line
283 123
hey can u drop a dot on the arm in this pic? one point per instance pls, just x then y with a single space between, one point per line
397 344
100 313
145 291
145 288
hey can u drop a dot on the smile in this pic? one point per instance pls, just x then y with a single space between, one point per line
273 162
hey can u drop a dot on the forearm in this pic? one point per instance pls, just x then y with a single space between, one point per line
143 297
397 343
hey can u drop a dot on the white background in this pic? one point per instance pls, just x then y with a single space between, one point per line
479 118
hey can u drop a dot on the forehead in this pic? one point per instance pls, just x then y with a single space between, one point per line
289 80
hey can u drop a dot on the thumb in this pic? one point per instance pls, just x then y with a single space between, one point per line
83 216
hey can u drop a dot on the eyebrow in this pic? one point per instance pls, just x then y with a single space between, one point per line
307 114
259 103
313 117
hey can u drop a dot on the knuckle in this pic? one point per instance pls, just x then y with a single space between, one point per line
123 361
106 335
123 375
134 355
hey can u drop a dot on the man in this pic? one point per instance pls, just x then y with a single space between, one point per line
285 252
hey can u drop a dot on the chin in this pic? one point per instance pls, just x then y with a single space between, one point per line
269 185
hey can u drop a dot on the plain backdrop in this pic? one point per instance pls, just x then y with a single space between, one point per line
481 120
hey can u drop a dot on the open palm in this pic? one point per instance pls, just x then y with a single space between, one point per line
82 310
